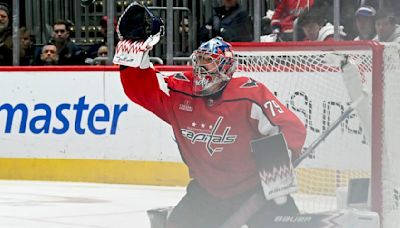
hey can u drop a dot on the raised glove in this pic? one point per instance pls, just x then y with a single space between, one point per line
138 30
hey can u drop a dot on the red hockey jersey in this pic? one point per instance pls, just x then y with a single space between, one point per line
214 136
287 11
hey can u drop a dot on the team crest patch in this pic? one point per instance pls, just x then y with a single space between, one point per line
249 84
210 135
181 77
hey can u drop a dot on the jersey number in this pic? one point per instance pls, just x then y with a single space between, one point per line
273 107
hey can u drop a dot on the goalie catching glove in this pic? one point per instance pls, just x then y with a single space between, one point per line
138 31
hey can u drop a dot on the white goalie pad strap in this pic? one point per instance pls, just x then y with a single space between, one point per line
135 53
275 167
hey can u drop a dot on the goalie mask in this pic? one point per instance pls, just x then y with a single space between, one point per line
213 67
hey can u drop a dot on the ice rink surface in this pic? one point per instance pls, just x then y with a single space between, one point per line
31 204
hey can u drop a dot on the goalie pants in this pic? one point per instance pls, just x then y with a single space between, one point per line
199 209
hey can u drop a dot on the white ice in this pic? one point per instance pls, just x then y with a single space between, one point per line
31 204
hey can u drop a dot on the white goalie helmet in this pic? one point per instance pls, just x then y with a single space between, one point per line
213 67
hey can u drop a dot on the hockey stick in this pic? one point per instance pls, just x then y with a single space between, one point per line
356 93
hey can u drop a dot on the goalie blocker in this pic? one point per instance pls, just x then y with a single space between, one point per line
274 165
277 179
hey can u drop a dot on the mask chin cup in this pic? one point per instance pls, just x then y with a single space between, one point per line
211 87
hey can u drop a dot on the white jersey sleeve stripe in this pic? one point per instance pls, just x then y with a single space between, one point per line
264 125
162 84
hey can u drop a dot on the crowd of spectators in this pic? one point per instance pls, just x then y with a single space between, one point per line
59 50
316 28
308 19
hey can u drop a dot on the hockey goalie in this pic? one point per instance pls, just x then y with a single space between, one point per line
215 118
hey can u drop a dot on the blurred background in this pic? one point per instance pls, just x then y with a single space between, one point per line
183 18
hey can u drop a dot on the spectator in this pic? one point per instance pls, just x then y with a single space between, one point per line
267 35
49 55
365 23
100 58
92 52
68 52
316 28
285 14
386 28
266 27
347 9
26 48
372 3
102 54
103 51
183 49
184 25
347 19
5 36
230 21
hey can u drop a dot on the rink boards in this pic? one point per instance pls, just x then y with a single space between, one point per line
76 124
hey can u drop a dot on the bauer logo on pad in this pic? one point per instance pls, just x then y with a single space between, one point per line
274 166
